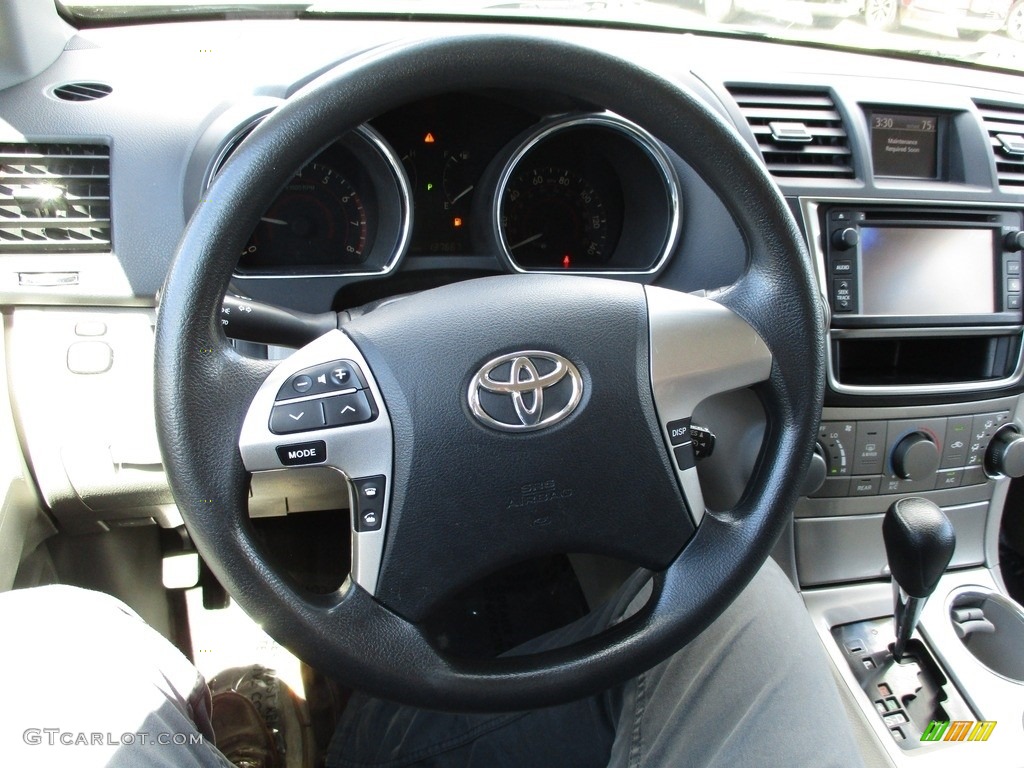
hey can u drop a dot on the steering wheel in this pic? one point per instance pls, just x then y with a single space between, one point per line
491 421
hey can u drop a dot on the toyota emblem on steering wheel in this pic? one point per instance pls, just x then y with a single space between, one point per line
525 391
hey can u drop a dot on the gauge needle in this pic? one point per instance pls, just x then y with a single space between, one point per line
274 221
462 194
538 236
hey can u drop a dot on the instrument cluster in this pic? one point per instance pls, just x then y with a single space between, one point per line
473 175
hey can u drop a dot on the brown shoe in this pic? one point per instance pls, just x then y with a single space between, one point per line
282 712
240 733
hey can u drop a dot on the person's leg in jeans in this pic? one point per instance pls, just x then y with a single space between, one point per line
88 683
374 732
755 689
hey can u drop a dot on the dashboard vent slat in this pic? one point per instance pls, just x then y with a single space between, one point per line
54 198
826 156
82 91
1005 126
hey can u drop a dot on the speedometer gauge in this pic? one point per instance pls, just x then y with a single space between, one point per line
553 217
586 193
319 219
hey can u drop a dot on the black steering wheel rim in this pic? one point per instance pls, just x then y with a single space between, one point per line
203 386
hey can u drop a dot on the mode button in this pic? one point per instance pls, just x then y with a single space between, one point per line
314 452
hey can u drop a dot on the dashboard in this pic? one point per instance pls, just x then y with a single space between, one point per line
880 168
905 177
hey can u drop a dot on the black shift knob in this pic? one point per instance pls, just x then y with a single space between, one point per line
919 542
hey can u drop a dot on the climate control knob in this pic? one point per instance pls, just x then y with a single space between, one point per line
817 471
1005 454
915 457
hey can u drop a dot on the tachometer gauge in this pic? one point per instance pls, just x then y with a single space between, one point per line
552 218
319 219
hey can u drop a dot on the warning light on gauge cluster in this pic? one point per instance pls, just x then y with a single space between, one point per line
566 261
457 222
429 138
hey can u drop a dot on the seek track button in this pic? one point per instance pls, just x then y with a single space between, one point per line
348 409
296 417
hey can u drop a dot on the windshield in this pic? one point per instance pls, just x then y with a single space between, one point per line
987 33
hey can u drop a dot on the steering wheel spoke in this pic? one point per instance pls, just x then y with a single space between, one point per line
699 348
321 407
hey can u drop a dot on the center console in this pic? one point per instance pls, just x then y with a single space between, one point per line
924 373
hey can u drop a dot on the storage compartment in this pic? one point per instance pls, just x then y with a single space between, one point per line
833 550
992 629
922 360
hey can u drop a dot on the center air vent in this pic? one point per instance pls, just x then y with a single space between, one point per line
54 198
1005 126
82 91
799 132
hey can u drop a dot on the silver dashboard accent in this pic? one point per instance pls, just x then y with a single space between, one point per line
631 131
922 389
230 144
812 226
308 398
699 348
356 450
525 386
888 413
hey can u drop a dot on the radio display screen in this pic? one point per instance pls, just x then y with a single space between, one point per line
932 272
905 146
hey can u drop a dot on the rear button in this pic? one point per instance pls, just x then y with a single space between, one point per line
302 453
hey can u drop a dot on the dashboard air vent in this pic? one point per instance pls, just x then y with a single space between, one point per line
1005 126
799 132
54 198
82 91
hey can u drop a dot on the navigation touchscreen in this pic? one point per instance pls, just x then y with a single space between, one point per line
920 271
905 146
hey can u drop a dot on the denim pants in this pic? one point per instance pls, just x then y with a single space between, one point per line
88 683
754 689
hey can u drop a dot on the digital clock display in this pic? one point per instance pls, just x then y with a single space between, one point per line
905 146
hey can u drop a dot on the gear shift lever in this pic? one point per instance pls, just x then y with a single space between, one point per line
919 542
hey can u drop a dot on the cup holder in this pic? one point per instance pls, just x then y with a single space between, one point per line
991 627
